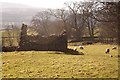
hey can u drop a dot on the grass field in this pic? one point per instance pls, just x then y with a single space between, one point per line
46 64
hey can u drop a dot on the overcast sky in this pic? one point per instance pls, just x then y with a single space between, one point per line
41 3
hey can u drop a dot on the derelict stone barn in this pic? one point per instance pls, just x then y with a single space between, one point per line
37 42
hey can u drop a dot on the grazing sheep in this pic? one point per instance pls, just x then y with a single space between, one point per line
111 56
81 47
75 48
107 50
114 48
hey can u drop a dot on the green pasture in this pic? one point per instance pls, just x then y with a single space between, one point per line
52 64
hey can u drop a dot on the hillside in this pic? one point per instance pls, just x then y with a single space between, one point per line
17 13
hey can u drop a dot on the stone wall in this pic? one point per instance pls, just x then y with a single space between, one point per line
51 43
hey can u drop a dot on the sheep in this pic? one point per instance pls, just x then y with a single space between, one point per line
81 47
114 48
107 50
111 56
75 48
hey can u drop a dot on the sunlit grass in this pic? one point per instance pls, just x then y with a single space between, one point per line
45 64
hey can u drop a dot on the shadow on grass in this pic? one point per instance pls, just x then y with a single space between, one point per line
73 52
68 51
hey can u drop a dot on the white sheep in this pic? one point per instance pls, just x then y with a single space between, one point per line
111 56
81 47
107 50
75 48
114 47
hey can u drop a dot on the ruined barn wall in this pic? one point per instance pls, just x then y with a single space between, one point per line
51 43
59 44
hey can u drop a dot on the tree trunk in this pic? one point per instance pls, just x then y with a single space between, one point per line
91 29
118 22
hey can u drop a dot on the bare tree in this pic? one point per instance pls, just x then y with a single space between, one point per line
41 22
82 17
108 16
74 8
62 15
91 23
